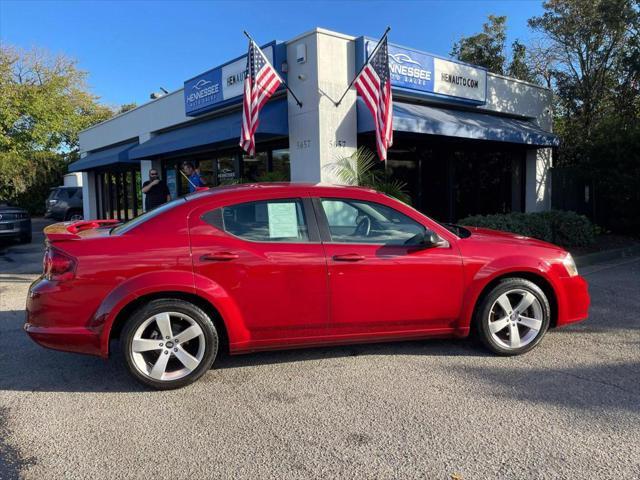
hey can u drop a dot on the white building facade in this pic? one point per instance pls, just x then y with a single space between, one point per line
466 141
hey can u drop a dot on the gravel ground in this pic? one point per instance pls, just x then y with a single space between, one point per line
432 409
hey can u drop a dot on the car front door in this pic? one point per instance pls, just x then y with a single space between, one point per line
267 256
381 281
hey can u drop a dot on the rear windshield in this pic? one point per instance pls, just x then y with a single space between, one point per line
131 224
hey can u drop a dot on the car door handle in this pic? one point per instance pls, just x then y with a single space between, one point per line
219 257
349 257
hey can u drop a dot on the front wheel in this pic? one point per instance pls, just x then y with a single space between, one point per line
513 317
169 343
74 215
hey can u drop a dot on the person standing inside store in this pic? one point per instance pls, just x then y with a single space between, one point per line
192 175
156 191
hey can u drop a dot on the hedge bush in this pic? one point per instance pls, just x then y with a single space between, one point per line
556 226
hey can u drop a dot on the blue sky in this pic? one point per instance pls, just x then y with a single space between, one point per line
131 48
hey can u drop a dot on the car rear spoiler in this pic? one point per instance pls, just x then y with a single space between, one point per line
59 232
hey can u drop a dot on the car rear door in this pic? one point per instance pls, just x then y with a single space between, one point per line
267 255
379 284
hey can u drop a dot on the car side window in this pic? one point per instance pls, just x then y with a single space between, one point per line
279 220
357 221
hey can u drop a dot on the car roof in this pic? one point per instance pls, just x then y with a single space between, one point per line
284 187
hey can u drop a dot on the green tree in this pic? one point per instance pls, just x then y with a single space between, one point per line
125 107
519 66
589 38
487 48
44 104
594 69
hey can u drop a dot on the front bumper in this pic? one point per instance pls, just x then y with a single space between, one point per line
15 228
573 300
52 320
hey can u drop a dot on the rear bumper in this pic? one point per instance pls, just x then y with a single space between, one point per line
78 339
53 321
573 300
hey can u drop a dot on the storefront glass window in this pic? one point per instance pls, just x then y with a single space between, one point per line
170 178
205 169
253 169
226 169
281 166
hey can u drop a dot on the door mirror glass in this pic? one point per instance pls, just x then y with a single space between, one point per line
428 239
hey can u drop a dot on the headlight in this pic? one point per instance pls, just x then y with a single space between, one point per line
570 265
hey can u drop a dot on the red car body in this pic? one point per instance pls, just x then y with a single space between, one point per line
282 295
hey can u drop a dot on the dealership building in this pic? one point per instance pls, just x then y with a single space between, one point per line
466 141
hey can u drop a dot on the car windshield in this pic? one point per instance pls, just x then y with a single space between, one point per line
131 224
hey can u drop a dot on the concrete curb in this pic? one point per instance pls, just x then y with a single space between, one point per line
607 255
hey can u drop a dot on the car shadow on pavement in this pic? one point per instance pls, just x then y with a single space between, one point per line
431 347
28 367
597 388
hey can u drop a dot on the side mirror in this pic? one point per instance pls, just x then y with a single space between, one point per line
430 239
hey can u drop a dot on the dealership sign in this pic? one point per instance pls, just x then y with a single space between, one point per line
218 86
425 73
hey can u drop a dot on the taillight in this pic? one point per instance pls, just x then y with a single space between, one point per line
58 266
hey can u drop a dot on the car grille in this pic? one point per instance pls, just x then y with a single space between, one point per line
13 216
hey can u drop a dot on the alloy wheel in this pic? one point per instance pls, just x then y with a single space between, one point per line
168 346
515 319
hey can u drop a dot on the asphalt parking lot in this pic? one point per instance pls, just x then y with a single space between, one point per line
431 409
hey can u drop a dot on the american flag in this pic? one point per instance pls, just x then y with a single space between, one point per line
261 80
374 86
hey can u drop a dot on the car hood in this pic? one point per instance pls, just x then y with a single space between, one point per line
486 234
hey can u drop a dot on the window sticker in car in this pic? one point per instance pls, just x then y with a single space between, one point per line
283 220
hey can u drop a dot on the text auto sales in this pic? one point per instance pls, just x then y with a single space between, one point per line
415 75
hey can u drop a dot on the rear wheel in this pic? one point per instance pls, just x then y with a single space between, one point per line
169 343
513 317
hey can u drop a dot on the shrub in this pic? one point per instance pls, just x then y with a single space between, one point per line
556 226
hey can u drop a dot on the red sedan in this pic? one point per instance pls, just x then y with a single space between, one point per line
273 266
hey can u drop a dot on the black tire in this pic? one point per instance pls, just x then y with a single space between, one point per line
483 316
26 238
156 307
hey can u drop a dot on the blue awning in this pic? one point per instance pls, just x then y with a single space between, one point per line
459 123
105 157
273 123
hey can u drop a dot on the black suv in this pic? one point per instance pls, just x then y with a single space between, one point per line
64 203
15 223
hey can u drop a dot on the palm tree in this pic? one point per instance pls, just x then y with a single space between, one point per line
359 168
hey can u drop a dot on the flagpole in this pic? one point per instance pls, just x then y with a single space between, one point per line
364 65
188 179
281 79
